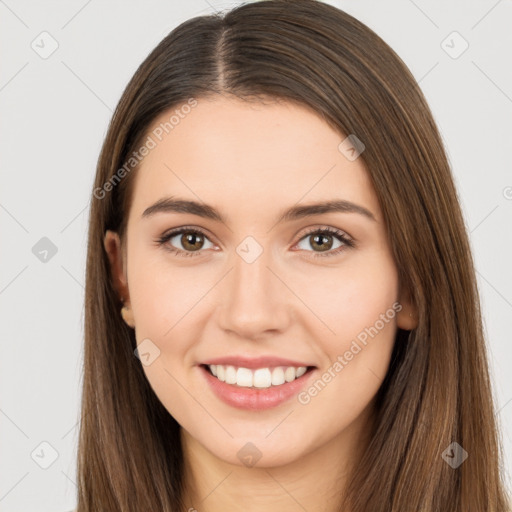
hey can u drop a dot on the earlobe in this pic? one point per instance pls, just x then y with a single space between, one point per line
407 317
406 320
127 315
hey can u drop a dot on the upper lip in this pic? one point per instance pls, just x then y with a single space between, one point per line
254 362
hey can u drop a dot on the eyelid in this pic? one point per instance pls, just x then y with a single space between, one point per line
330 229
347 240
171 233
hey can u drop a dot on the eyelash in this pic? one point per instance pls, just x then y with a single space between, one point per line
348 243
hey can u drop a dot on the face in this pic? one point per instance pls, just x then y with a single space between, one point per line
315 289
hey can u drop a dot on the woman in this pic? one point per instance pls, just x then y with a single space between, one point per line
281 304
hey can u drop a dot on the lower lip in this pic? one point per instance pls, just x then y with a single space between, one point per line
255 399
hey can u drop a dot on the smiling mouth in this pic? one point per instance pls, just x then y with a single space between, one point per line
258 378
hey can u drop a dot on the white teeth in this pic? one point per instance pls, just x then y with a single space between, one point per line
259 378
301 370
244 377
278 376
289 374
262 378
230 374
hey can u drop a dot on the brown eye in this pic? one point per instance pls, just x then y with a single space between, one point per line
192 241
321 240
185 241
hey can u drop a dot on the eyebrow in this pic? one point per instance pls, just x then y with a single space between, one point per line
176 205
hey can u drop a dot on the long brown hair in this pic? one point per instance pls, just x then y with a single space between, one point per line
437 390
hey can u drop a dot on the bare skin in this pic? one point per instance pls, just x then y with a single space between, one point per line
250 162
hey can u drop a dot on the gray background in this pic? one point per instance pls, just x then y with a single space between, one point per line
55 112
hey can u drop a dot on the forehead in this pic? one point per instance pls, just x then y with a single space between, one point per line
248 156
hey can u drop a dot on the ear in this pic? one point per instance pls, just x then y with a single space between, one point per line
407 317
112 245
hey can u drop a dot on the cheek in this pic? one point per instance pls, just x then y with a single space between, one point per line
162 298
359 305
364 319
351 297
162 294
358 361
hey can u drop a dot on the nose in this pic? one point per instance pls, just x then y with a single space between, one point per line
255 301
